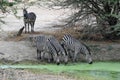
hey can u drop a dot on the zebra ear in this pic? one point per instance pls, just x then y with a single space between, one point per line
22 8
25 7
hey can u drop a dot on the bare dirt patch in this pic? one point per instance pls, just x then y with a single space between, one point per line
18 48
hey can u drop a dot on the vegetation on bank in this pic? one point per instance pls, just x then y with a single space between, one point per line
78 71
99 19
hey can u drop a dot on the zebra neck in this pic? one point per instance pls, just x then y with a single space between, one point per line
25 16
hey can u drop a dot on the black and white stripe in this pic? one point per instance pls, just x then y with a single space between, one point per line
40 45
44 46
60 50
75 46
29 20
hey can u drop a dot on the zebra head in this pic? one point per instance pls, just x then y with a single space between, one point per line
64 52
66 59
25 13
57 59
65 56
88 57
86 51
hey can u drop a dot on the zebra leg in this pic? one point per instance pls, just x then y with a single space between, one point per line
66 56
32 26
38 54
58 58
75 56
70 54
49 57
66 59
28 27
42 55
25 27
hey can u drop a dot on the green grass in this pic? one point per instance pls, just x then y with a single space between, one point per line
102 66
80 71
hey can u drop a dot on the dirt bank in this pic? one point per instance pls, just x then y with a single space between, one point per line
105 51
20 48
17 51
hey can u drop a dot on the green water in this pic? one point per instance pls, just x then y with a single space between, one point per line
95 71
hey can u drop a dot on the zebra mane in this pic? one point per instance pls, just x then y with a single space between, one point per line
53 46
64 49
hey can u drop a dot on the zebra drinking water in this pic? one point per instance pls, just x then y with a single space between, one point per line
44 45
60 50
73 45
40 44
29 19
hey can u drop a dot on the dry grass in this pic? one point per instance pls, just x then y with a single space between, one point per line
16 38
58 34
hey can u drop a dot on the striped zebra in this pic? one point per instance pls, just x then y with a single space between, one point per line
40 42
44 46
60 50
75 46
29 19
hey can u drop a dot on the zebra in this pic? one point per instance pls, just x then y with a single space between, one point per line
29 19
40 42
44 46
75 46
60 50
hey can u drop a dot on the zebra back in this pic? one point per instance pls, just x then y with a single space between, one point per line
73 44
70 42
40 42
57 45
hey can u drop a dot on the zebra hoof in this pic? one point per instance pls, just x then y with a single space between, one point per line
58 63
66 63
90 62
38 58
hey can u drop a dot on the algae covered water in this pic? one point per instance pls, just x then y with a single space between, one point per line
95 71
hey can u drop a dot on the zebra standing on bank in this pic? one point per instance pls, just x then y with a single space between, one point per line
29 19
60 50
44 46
73 45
